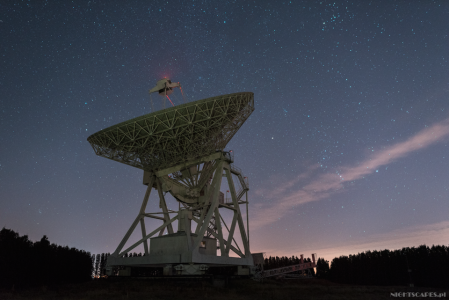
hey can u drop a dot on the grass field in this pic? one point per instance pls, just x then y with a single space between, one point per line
237 289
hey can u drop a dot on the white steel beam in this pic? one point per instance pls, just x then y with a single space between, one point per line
164 205
216 184
138 218
239 253
142 212
127 235
149 235
239 215
144 233
219 231
231 232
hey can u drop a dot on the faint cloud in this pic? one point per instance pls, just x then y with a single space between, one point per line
430 234
287 196
422 139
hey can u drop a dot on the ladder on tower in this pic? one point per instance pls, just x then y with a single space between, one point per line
244 184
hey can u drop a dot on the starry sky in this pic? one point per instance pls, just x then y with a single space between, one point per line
346 151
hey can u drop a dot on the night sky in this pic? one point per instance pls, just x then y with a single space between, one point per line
346 151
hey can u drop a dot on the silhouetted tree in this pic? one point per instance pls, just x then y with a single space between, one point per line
102 264
428 267
97 265
25 263
322 268
15 255
93 265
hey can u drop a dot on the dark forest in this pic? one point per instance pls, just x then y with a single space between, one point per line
25 263
421 266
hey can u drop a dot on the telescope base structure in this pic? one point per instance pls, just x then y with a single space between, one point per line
186 263
191 250
288 270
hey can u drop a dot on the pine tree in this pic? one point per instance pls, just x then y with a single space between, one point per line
102 264
24 263
93 265
322 268
97 265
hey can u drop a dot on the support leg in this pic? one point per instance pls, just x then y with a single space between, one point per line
231 232
144 233
239 215
247 216
216 184
149 235
220 232
164 205
136 221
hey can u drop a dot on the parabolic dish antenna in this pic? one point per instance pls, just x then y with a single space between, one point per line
181 152
174 135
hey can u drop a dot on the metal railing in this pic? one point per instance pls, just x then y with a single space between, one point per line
285 270
289 269
236 169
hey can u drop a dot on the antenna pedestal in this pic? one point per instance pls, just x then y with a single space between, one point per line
203 238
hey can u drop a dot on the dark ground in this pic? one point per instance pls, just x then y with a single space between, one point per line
284 289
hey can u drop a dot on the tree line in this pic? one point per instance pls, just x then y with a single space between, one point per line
421 266
26 263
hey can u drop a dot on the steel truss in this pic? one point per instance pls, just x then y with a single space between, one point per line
174 135
196 185
284 271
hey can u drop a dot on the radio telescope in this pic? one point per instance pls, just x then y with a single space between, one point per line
181 151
